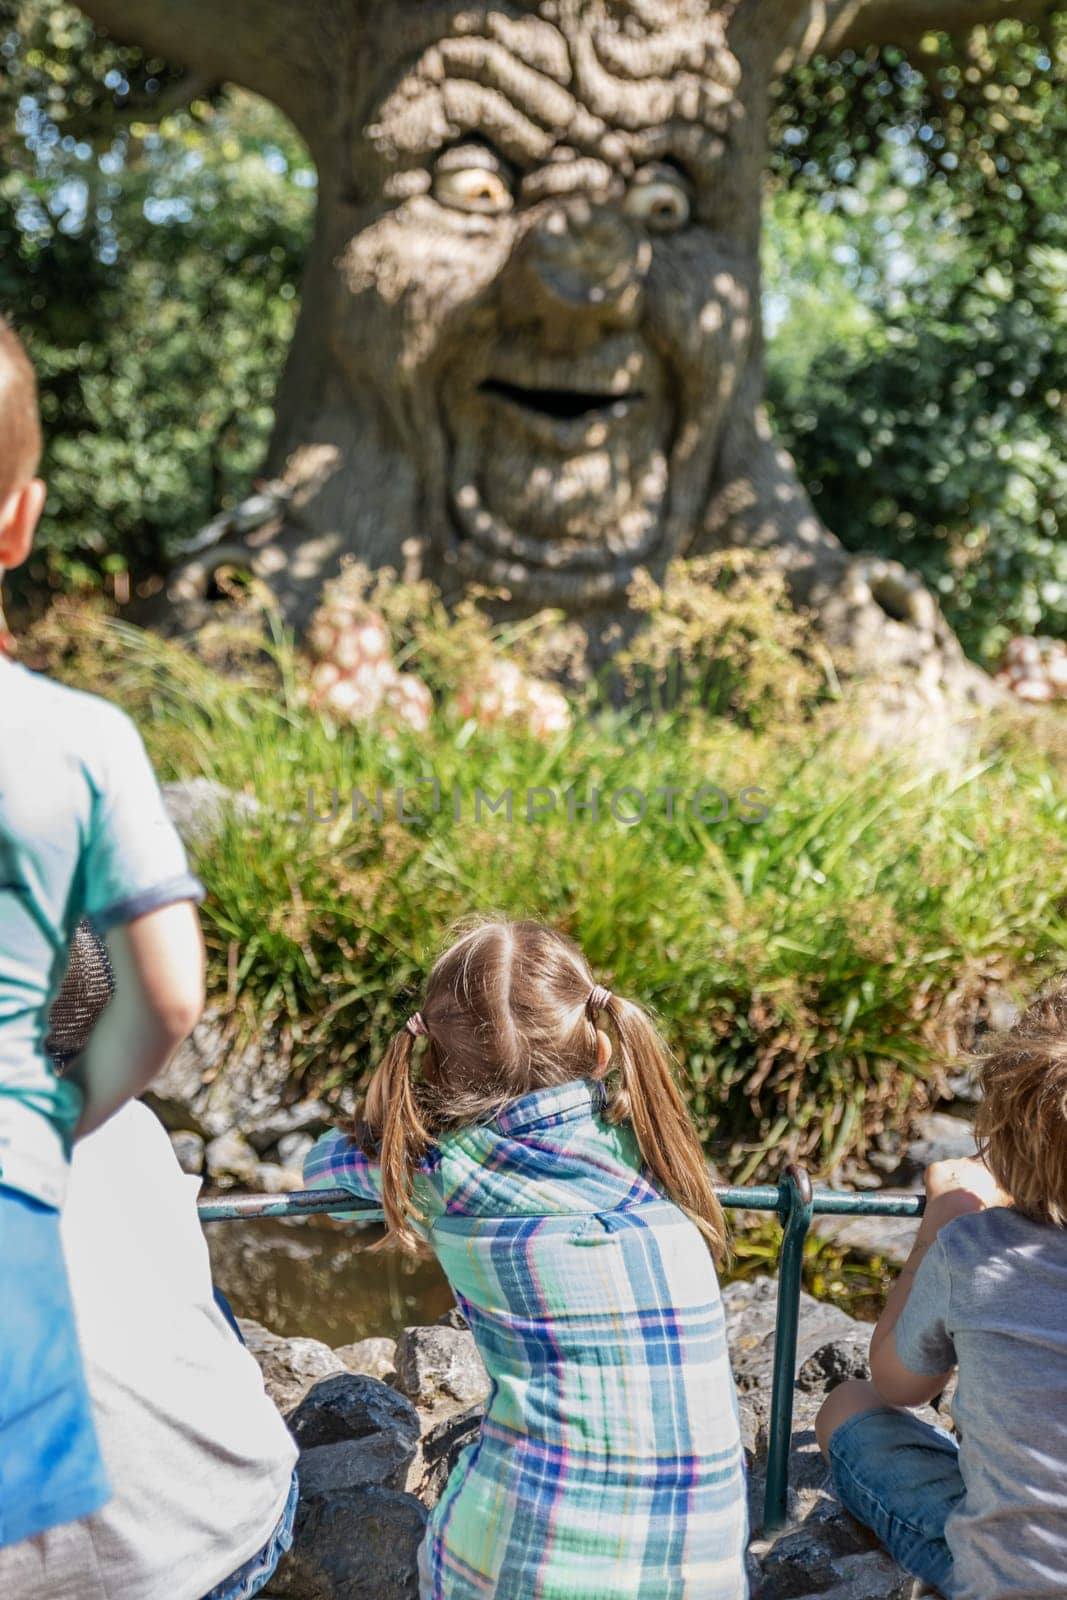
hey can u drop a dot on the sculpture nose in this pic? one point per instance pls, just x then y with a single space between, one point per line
586 257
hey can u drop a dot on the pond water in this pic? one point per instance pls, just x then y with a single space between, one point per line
314 1279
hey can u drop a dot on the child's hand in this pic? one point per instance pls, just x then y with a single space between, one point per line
953 1187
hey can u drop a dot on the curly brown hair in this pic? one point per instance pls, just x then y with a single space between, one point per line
1021 1125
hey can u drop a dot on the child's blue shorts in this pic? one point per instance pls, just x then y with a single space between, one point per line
50 1465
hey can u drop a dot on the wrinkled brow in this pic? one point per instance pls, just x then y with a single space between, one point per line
513 84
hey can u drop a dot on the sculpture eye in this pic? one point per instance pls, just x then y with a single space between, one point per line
473 189
660 200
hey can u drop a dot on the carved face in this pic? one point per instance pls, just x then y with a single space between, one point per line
549 279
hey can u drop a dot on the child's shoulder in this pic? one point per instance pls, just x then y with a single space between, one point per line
75 716
999 1231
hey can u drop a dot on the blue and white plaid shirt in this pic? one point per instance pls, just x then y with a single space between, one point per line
609 1465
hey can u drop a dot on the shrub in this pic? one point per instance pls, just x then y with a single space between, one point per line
812 969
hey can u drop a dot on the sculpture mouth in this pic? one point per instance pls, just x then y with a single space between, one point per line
563 405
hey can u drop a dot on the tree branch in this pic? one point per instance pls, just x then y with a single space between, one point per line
268 46
830 26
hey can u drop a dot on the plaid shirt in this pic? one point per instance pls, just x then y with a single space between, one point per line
609 1465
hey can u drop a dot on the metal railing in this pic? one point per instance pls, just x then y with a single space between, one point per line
793 1201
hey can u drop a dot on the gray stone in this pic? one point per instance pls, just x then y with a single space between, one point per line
375 1357
357 1535
441 1446
434 1364
293 1148
268 1178
941 1138
751 1309
964 1085
891 1238
230 1158
381 1460
213 1087
267 1130
356 1543
835 1362
199 807
452 1318
352 1406
189 1148
289 1366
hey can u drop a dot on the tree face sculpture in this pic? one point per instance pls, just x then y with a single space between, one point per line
529 353
547 289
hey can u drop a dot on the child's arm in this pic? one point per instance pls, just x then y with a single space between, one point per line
158 962
135 887
336 1161
953 1188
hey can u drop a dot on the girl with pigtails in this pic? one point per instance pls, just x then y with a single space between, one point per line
526 1124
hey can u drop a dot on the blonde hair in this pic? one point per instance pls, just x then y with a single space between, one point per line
506 1011
1021 1123
20 426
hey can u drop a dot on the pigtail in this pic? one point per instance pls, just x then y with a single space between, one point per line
649 1098
392 1117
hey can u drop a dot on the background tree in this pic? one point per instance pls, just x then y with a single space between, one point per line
151 247
858 228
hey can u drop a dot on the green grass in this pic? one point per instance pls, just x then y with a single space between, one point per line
811 971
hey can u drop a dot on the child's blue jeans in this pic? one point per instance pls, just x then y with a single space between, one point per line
900 1477
51 1470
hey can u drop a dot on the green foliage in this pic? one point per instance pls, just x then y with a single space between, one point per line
721 633
809 968
154 271
915 268
918 266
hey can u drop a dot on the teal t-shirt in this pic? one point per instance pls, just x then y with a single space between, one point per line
83 833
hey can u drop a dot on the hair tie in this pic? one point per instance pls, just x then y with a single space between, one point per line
599 997
416 1026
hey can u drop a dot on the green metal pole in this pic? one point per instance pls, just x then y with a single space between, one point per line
795 1210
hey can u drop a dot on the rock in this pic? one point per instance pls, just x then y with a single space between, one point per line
835 1362
293 1148
270 1179
888 1237
229 1157
751 1309
941 1138
193 1091
353 1544
440 1363
189 1148
199 807
350 1407
380 1460
375 1357
440 1449
964 1085
289 1366
453 1318
306 1117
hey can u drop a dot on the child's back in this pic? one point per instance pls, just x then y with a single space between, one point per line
981 1516
993 1298
609 1462
82 833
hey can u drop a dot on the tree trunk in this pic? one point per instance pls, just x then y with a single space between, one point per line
529 354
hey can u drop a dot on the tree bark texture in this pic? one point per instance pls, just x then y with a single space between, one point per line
529 354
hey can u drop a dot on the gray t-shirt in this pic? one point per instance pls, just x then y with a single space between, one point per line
991 1297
